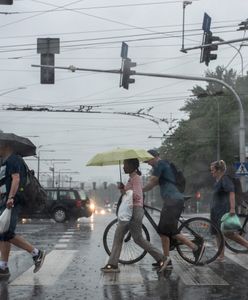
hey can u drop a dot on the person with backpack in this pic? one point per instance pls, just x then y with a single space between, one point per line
165 175
223 201
12 176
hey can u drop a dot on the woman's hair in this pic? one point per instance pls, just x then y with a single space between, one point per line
219 165
134 165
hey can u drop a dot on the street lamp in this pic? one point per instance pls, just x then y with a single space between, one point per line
60 174
53 169
38 158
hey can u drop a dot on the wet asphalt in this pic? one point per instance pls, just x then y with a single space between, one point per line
75 254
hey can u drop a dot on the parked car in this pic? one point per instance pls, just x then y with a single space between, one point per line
62 204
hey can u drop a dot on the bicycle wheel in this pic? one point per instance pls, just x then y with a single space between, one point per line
234 246
131 252
196 229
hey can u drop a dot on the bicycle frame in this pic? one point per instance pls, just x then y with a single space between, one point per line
155 226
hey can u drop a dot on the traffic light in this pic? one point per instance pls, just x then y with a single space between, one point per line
105 185
94 185
198 196
206 55
6 2
127 72
47 48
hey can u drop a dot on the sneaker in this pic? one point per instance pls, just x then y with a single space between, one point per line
164 264
4 273
110 269
199 252
38 260
158 264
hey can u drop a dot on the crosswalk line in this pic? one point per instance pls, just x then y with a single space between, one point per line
240 259
50 271
194 275
129 274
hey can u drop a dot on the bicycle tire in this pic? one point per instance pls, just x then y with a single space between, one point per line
203 227
234 246
131 252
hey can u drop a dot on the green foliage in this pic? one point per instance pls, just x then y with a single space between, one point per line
193 145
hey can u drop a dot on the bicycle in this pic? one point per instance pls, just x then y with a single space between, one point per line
196 229
232 245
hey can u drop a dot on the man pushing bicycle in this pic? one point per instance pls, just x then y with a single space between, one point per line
173 203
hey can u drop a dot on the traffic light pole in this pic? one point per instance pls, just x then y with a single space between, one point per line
192 78
218 43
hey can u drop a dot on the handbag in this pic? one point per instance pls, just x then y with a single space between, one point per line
5 220
230 223
125 210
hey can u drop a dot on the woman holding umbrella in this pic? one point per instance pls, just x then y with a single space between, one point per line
12 175
131 167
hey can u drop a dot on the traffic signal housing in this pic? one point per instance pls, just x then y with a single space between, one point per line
6 2
206 55
127 72
47 48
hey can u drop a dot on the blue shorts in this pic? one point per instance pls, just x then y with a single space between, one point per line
10 234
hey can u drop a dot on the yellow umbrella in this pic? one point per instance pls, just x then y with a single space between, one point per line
116 157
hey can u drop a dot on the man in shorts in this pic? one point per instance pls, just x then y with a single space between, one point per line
173 204
12 176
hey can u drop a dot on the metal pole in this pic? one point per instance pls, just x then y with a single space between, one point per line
38 166
218 130
233 92
218 43
185 3
182 50
194 78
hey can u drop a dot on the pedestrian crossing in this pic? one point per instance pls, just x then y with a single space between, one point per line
190 275
55 264
61 255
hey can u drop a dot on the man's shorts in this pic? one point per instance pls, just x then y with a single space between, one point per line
168 223
10 234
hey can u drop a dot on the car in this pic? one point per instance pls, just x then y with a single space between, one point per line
62 204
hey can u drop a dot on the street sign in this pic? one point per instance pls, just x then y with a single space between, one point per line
241 169
124 50
206 23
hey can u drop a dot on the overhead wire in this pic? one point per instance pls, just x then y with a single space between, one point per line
95 7
36 15
116 29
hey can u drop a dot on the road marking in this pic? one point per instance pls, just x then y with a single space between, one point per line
63 240
129 274
193 275
55 264
240 259
60 246
68 234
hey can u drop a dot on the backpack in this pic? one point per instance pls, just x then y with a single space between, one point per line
33 194
179 177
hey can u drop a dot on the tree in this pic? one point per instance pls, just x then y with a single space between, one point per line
193 145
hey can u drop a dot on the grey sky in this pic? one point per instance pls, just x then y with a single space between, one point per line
80 136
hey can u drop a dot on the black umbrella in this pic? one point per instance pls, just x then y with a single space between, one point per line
21 145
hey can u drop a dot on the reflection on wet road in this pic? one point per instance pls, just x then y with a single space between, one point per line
75 254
